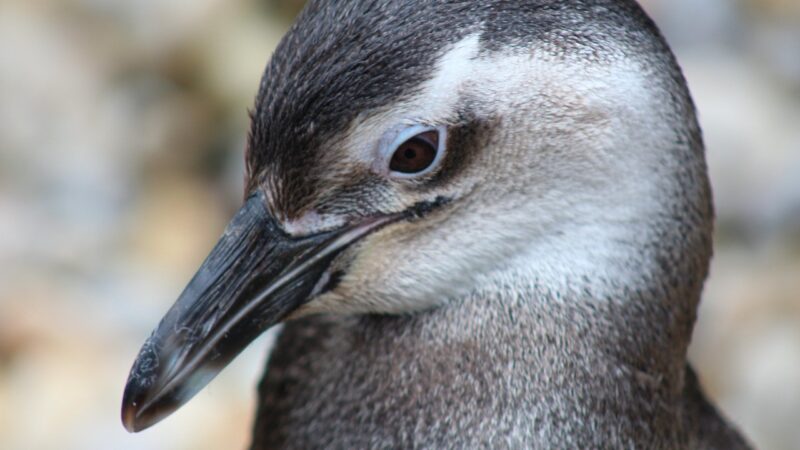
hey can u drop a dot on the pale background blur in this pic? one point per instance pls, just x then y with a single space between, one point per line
122 126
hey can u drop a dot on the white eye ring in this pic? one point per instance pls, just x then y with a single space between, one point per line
396 141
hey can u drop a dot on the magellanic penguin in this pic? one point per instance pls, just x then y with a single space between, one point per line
485 224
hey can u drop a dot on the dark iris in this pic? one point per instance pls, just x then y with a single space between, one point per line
415 154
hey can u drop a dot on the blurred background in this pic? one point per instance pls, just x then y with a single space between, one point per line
122 128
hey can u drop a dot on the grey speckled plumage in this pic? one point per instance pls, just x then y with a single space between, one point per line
522 361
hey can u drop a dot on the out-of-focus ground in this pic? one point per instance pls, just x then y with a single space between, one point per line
122 126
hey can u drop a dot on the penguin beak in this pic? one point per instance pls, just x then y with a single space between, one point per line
254 278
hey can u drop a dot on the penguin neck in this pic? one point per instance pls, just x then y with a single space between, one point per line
542 352
630 315
525 346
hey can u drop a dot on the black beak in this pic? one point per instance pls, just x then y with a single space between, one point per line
254 277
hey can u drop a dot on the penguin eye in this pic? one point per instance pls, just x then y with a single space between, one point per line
416 154
419 150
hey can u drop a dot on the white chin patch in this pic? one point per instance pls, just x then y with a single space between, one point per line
311 223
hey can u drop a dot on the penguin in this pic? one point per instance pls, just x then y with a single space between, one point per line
481 224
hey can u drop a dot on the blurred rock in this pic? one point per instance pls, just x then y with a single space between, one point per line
751 139
687 23
789 9
286 8
775 44
746 345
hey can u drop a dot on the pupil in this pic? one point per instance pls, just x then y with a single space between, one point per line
415 154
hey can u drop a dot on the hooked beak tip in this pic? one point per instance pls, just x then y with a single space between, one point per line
129 418
130 415
132 409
